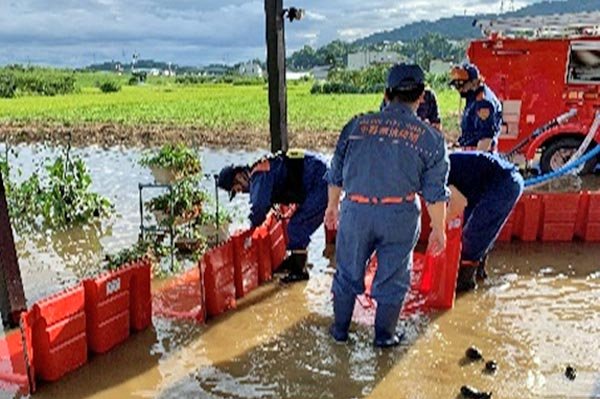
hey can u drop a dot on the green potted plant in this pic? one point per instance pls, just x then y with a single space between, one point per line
180 205
172 163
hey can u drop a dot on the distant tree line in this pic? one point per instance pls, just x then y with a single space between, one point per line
368 80
422 51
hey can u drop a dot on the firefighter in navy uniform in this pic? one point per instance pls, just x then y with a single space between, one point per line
482 117
486 187
294 177
381 160
428 109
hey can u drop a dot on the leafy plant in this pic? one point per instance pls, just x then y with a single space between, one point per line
176 157
35 80
127 255
59 199
183 198
109 86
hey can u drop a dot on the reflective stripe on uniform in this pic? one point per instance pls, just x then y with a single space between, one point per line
362 199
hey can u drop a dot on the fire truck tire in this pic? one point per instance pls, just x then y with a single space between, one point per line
558 153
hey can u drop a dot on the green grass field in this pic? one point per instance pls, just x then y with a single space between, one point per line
218 107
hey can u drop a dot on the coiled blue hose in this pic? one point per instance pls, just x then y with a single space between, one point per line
565 169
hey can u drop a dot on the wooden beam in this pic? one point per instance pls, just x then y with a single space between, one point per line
12 296
276 71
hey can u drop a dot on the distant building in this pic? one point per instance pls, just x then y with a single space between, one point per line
320 72
215 70
439 66
250 69
291 75
364 59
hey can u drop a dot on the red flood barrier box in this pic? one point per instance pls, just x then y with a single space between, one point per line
439 280
260 238
141 296
433 278
117 302
218 275
277 241
13 369
245 263
182 298
559 214
588 217
527 217
59 334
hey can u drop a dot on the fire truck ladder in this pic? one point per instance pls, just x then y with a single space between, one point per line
556 25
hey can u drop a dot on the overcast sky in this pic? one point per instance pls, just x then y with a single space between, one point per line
195 32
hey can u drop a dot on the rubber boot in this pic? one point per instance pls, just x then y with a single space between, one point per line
285 267
386 319
466 278
297 268
342 316
481 273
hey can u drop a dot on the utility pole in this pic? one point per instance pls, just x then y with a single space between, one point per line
276 72
12 296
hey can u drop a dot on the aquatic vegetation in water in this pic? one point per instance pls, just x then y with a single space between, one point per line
56 199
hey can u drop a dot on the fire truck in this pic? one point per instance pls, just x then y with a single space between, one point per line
541 68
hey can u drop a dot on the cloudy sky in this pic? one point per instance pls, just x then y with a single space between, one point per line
195 32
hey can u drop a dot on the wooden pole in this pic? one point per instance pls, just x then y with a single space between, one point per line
276 71
12 296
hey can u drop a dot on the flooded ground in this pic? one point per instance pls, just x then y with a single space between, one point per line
539 312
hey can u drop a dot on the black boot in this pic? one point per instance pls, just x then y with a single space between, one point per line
466 278
297 268
481 273
386 318
285 267
342 313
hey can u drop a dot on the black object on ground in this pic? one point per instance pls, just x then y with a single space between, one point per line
473 353
571 372
472 393
491 366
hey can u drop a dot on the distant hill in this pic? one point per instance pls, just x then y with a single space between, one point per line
460 27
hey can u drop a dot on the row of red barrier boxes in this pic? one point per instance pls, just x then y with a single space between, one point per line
546 217
226 273
57 333
552 217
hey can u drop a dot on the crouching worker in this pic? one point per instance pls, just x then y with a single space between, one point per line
295 177
486 187
381 160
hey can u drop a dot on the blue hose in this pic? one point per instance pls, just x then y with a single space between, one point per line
565 169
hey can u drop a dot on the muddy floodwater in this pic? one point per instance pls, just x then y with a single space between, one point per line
538 312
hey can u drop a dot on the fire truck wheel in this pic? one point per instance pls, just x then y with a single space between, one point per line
555 155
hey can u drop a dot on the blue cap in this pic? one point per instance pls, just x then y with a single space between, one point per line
472 71
405 77
226 180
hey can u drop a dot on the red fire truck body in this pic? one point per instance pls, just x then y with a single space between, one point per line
537 79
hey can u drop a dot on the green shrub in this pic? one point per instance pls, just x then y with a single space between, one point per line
109 86
35 80
8 85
